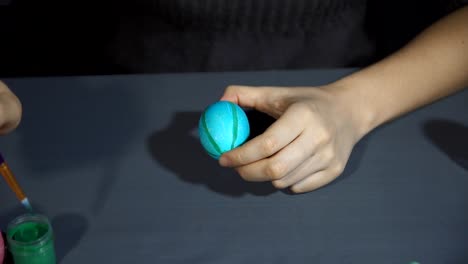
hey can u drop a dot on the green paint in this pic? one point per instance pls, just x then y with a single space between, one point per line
30 240
29 232
235 125
210 138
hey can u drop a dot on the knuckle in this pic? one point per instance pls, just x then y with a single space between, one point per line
269 145
278 104
303 108
238 156
328 156
337 169
231 88
324 137
276 170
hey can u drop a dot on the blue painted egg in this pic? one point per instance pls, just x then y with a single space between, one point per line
222 127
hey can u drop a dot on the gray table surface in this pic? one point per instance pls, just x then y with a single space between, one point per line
115 163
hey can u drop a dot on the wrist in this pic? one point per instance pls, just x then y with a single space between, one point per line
362 111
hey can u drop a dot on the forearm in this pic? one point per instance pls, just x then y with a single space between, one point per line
432 66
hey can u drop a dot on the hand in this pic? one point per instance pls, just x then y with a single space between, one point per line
308 145
10 110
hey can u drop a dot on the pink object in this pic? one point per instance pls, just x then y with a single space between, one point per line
2 248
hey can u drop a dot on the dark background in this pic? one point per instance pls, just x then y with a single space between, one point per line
46 37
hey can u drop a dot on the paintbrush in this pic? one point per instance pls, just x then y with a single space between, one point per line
14 186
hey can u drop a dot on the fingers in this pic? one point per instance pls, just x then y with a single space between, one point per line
281 133
317 180
304 149
281 164
10 110
10 113
298 166
316 163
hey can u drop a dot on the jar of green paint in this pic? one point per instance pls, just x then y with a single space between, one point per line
30 240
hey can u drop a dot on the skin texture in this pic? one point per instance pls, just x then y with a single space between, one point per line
10 110
316 129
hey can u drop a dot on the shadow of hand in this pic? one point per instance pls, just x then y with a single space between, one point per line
177 149
68 228
451 138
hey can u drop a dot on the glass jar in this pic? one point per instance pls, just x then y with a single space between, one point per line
30 240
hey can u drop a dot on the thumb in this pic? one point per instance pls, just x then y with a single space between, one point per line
270 100
247 96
